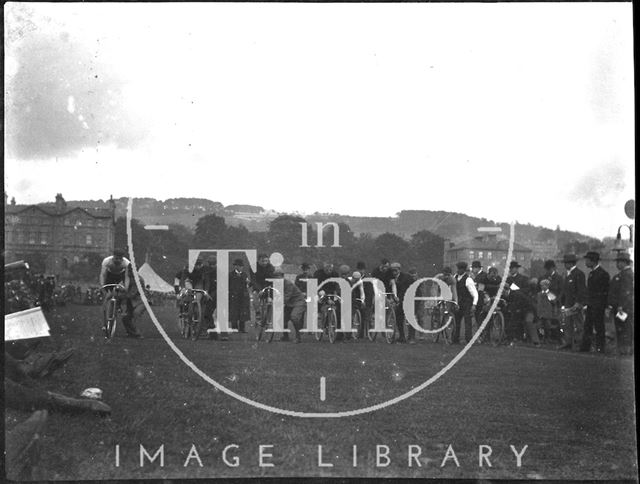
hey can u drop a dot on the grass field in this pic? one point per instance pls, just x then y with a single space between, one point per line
575 412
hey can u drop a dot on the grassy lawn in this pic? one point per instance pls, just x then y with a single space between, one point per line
574 412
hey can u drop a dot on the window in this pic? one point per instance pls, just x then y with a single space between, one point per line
471 254
522 257
32 237
489 255
89 239
480 254
43 238
20 235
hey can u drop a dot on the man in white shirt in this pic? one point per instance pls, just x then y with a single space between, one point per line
467 302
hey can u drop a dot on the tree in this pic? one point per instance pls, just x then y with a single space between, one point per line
427 250
87 269
210 232
392 247
284 235
140 238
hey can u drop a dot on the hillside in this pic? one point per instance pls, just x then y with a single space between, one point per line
449 225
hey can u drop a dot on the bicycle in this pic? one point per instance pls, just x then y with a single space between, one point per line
495 329
578 324
111 310
328 317
265 325
356 318
442 319
190 316
390 317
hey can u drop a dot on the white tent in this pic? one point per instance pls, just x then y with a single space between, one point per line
153 280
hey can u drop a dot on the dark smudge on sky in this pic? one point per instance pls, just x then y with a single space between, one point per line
63 99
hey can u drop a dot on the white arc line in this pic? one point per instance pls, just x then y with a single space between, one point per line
293 413
323 388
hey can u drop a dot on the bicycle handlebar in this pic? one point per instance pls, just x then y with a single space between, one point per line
328 297
264 290
116 286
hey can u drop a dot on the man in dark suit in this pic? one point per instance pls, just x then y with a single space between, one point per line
574 296
621 304
467 301
402 283
555 279
518 299
597 294
238 296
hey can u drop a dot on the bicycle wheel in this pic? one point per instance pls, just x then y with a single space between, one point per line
369 325
357 324
578 330
196 319
332 326
266 322
111 319
321 326
390 323
496 328
435 324
449 322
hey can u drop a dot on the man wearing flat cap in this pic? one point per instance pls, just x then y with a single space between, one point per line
620 303
467 302
597 293
574 296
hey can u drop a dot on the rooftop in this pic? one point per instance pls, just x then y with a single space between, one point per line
488 242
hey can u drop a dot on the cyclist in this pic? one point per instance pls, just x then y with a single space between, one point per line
306 274
114 270
179 283
258 279
446 276
295 303
383 273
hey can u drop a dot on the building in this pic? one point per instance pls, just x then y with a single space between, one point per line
488 249
543 250
52 237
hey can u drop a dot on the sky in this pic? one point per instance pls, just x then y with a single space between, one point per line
505 111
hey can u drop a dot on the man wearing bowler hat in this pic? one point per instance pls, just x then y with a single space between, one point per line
519 304
597 293
574 295
555 279
467 302
620 302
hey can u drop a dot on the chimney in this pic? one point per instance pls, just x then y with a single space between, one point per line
61 205
112 205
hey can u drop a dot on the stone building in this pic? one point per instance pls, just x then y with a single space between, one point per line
488 249
51 237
